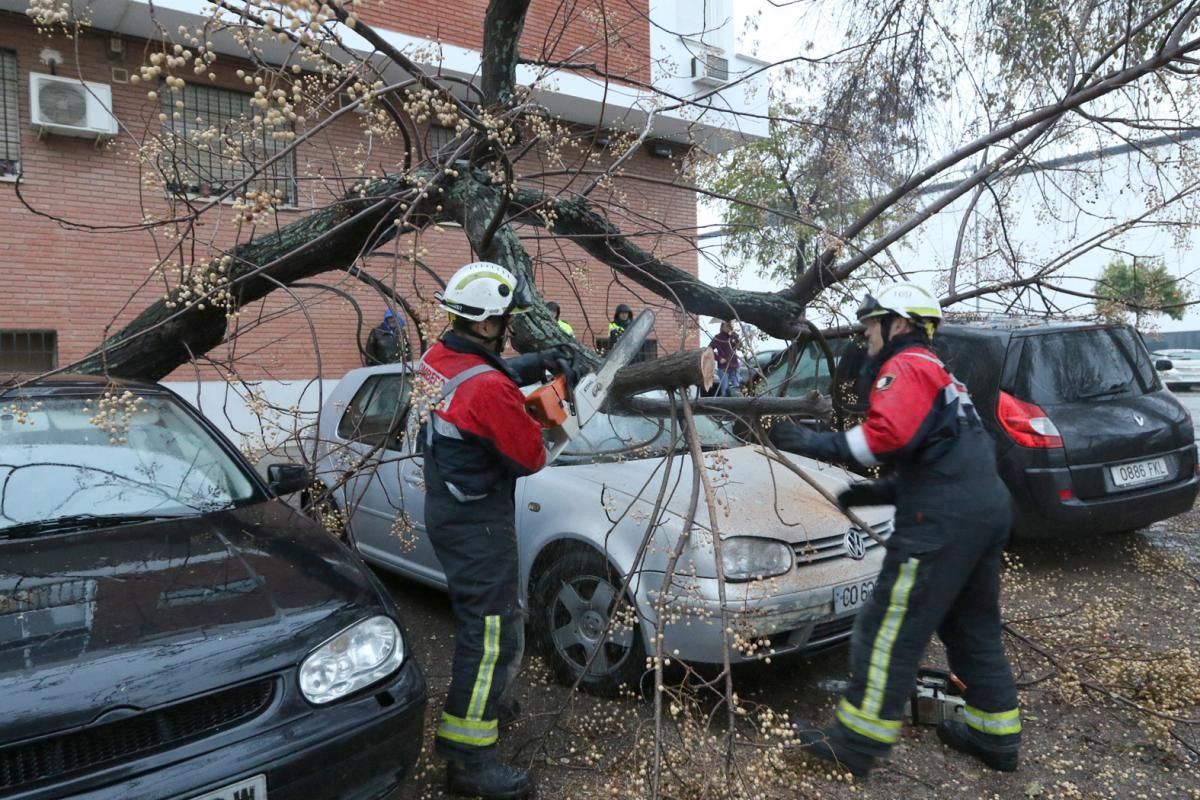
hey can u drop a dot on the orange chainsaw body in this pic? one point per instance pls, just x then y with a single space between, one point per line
548 404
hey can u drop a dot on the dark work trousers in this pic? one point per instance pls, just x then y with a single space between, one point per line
476 543
941 574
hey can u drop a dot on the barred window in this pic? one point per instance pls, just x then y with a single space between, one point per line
213 144
28 351
10 117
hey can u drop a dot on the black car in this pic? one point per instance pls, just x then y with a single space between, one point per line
171 629
1088 439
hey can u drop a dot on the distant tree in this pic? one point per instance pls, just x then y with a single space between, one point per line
1142 287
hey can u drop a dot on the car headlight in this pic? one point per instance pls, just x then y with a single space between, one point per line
747 557
364 653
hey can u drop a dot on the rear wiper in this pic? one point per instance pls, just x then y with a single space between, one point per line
75 522
1112 388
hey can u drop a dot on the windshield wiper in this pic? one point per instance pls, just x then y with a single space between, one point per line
76 522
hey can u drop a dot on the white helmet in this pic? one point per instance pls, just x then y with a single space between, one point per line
907 300
483 289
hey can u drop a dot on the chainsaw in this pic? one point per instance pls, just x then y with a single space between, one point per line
562 409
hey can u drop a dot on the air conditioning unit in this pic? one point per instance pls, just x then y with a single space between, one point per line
70 107
710 69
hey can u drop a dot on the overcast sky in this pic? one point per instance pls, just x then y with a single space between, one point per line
782 29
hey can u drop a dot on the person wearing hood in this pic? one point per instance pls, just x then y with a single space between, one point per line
386 344
620 321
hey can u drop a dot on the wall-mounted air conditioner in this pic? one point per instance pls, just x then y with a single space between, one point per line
70 107
710 69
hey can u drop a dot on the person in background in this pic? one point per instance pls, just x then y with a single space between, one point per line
562 323
386 343
620 321
725 347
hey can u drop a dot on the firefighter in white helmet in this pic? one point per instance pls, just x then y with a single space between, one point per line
941 573
478 439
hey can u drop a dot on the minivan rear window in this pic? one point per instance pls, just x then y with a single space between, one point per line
1091 364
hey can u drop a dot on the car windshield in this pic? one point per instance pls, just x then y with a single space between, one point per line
120 455
617 436
1070 366
811 372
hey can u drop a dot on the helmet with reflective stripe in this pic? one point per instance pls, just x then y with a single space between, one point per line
483 289
906 300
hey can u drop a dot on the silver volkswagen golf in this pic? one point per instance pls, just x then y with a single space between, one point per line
796 572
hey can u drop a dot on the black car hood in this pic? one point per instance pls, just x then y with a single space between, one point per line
142 615
1102 431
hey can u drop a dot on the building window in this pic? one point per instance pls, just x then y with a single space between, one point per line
212 145
440 139
10 116
28 351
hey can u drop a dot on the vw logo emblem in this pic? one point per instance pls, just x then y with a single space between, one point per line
856 544
1139 419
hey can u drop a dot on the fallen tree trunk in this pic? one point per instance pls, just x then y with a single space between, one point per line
677 371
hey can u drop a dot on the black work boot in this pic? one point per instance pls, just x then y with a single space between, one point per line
958 736
824 744
490 780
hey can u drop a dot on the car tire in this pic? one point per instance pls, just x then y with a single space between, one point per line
573 600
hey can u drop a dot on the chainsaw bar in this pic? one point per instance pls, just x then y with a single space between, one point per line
592 390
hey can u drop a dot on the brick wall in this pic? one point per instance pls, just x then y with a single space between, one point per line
96 275
612 34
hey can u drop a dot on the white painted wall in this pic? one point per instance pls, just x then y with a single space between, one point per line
252 425
574 96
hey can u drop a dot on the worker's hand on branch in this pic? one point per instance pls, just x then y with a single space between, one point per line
805 441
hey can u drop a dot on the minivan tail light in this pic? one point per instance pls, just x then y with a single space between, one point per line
1026 423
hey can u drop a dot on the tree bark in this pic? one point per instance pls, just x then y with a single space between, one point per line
502 26
578 221
676 371
172 331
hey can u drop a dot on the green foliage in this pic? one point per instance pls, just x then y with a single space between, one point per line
793 190
1145 287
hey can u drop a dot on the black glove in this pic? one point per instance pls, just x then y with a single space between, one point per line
868 493
558 359
802 440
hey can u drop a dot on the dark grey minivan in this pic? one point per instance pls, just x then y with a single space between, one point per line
1089 440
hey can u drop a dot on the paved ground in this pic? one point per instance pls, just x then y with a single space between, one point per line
1136 593
1139 591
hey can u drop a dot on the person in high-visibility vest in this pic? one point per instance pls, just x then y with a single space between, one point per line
620 321
562 323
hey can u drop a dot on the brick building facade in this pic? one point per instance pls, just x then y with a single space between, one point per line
77 263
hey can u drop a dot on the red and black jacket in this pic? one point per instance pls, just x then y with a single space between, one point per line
915 412
491 439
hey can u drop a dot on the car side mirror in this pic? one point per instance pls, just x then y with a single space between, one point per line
1163 364
288 478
